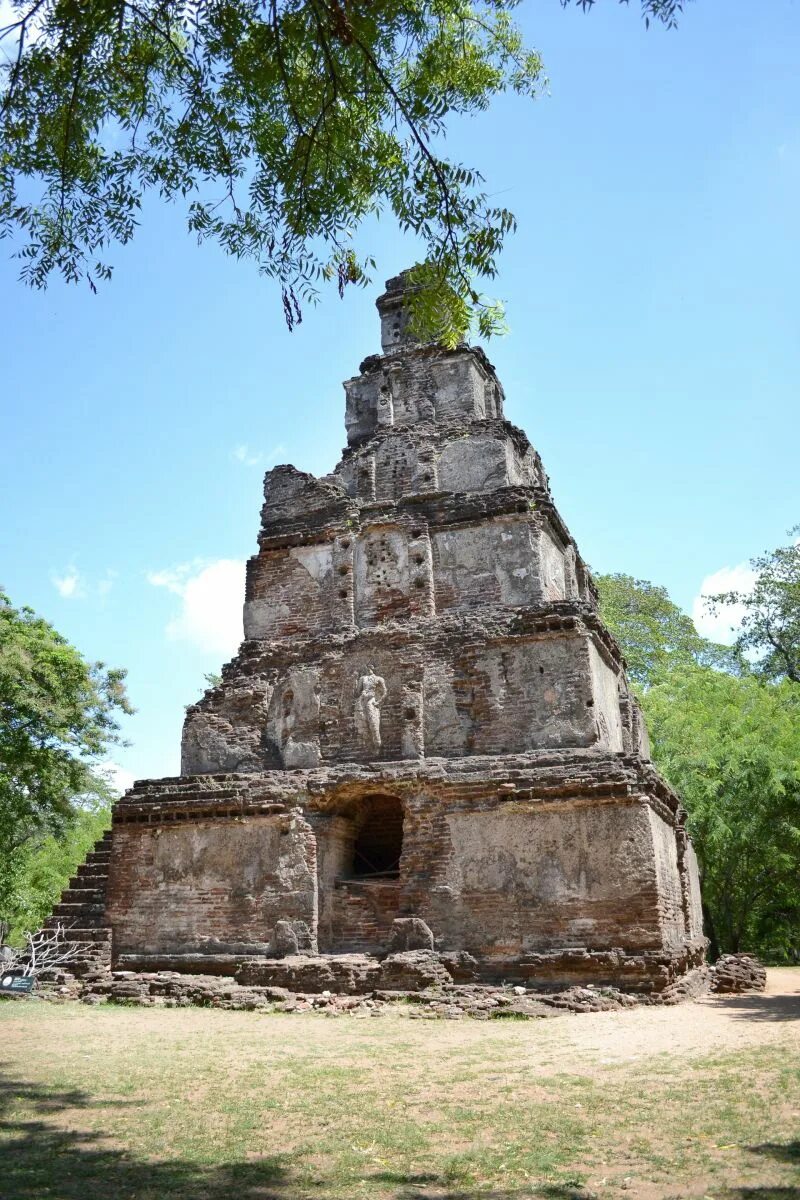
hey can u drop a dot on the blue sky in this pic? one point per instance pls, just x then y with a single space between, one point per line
653 358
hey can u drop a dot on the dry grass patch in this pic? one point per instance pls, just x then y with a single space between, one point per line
198 1104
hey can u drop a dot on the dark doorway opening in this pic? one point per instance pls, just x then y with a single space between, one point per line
379 839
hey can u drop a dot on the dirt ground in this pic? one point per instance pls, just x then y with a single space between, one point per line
711 1024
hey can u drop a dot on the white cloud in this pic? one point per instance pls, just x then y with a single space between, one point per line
723 625
248 457
69 585
245 455
72 585
118 777
212 595
106 583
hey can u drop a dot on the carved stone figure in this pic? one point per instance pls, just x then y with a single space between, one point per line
570 573
298 719
412 739
370 695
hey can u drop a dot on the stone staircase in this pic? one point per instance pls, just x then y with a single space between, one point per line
81 910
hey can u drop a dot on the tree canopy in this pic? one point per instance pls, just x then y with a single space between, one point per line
58 717
666 11
44 865
728 740
655 635
282 124
731 748
770 625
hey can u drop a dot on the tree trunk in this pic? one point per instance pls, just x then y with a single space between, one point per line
711 931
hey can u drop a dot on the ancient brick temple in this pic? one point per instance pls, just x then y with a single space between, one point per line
426 737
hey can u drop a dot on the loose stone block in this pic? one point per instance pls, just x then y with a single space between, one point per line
409 933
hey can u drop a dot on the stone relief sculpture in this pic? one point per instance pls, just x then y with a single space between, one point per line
412 740
570 574
370 695
603 733
297 723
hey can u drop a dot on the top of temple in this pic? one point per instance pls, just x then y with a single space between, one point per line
394 314
412 382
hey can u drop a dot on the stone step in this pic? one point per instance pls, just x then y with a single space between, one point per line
88 883
69 911
81 933
83 894
80 880
91 871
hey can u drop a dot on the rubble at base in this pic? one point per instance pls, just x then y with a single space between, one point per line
736 973
412 984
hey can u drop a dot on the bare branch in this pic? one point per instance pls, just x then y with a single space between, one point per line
46 950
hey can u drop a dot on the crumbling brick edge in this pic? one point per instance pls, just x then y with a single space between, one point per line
415 984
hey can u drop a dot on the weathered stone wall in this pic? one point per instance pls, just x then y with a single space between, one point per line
605 700
529 864
289 592
672 900
361 916
450 690
694 901
400 571
517 696
213 886
456 386
511 879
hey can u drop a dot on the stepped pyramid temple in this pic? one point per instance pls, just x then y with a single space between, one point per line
425 761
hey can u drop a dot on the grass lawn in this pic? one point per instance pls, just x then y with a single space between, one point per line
702 1100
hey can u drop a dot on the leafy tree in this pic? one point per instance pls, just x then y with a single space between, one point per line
58 716
731 747
729 743
666 11
770 627
282 123
655 635
45 864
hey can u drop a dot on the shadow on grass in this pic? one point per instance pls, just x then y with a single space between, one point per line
783 1151
761 1193
40 1158
436 1189
761 1008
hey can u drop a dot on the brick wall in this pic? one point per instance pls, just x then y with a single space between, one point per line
214 886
